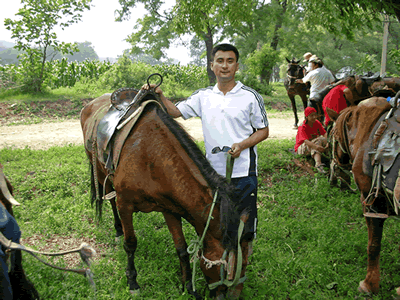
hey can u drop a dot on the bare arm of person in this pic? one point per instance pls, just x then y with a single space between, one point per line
173 111
314 146
254 139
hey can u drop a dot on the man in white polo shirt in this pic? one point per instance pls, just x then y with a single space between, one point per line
234 120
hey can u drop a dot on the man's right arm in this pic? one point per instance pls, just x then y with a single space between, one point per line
172 110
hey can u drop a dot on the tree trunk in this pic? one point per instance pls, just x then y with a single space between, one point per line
266 74
208 40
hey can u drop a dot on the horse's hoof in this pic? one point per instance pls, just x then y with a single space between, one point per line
135 293
362 288
295 126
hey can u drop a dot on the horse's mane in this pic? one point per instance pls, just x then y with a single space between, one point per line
360 119
229 215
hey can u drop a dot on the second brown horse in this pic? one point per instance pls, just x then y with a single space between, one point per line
365 139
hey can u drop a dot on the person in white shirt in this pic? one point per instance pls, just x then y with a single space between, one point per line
234 120
319 77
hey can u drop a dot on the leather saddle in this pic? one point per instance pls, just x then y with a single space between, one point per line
388 146
371 79
124 103
383 160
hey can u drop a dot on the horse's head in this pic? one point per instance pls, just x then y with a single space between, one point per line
294 71
224 269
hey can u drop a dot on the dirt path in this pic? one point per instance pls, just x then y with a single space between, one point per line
46 135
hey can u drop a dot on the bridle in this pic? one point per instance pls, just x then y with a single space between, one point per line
297 73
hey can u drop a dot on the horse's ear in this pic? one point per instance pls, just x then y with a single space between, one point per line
297 62
333 115
287 60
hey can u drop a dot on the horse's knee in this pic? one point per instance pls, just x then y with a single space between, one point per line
130 246
183 254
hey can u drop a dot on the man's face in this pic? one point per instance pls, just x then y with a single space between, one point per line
224 65
313 66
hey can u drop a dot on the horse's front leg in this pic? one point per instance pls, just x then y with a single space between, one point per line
174 223
294 108
371 282
130 244
304 100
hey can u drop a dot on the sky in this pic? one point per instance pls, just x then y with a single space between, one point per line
97 26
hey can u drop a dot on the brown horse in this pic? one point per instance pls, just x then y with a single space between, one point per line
296 71
365 139
361 88
22 287
160 168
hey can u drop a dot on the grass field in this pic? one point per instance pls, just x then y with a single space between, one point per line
311 242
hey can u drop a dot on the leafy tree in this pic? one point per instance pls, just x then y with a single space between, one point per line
204 18
154 31
343 16
34 34
265 36
261 62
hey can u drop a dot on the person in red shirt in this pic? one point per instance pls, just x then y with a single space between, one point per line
311 138
334 100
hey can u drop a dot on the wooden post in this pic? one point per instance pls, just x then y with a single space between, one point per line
384 46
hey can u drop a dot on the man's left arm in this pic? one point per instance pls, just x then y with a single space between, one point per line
254 139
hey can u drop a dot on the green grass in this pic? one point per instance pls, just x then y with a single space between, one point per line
63 93
311 240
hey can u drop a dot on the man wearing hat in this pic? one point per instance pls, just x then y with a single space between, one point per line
319 77
311 138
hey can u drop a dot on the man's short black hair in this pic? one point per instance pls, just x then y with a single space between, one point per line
226 47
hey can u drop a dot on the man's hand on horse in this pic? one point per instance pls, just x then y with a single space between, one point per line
157 91
321 149
235 150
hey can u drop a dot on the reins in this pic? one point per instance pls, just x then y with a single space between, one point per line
86 252
196 245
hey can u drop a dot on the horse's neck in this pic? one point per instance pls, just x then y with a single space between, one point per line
301 73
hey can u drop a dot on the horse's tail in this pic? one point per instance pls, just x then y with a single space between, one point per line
96 192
